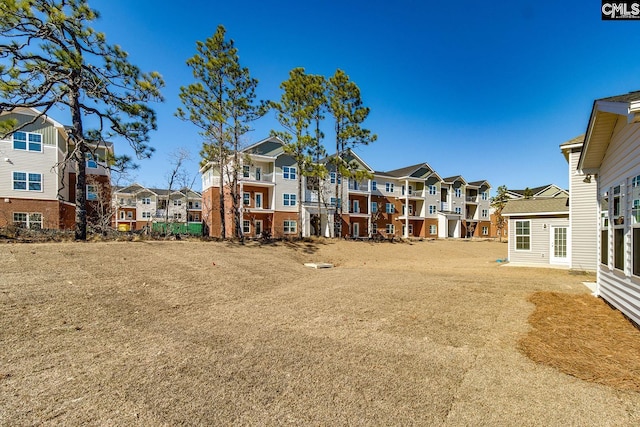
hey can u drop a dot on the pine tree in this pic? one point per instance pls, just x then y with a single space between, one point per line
498 203
221 102
348 112
53 57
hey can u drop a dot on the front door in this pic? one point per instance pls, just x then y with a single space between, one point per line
559 245
258 200
356 229
258 227
258 174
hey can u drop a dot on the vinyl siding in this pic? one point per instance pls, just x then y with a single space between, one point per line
583 208
540 239
621 162
288 186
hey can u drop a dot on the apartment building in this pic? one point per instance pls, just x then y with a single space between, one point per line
136 207
413 201
37 188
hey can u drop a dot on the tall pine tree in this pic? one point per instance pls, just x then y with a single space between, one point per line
53 57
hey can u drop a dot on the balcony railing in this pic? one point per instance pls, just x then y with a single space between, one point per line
262 177
358 186
472 199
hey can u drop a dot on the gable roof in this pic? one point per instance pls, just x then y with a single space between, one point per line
479 183
604 115
419 171
536 206
537 192
268 147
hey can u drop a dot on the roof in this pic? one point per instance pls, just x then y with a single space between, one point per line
272 147
536 206
578 140
604 115
419 170
479 183
536 192
627 97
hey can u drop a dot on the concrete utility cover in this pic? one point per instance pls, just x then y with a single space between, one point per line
318 265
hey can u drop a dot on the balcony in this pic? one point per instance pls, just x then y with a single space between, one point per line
362 187
266 178
471 199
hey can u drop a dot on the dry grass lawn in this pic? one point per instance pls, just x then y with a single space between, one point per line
197 333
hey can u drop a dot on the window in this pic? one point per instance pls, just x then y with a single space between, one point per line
356 206
432 209
433 229
404 209
618 248
410 190
245 171
636 251
332 177
485 213
122 213
484 195
27 141
374 186
333 202
258 201
246 199
91 161
24 181
146 215
28 220
523 235
485 230
92 192
374 207
289 199
177 202
196 217
458 210
146 201
457 192
289 227
288 172
390 208
374 228
433 190
404 229
177 216
129 215
389 187
390 229
246 227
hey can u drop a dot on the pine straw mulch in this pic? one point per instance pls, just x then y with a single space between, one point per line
584 337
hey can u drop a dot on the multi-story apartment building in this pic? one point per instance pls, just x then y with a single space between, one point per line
37 184
135 207
409 202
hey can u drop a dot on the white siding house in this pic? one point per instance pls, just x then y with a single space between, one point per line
539 232
611 154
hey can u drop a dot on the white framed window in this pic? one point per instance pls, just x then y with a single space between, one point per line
389 187
27 181
404 209
245 171
177 216
122 214
635 225
390 229
433 190
146 215
433 229
356 206
28 220
289 226
432 209
332 178
246 199
258 201
484 195
458 210
146 201
389 208
246 226
617 221
129 215
177 202
374 207
337 203
485 213
457 192
196 217
374 186
404 228
92 162
604 228
288 199
485 230
27 141
92 192
288 172
523 235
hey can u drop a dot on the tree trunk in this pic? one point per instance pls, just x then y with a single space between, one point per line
77 136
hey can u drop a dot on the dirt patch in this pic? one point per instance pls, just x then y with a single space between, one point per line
584 337
218 333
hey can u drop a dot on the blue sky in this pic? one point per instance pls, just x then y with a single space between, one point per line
488 90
